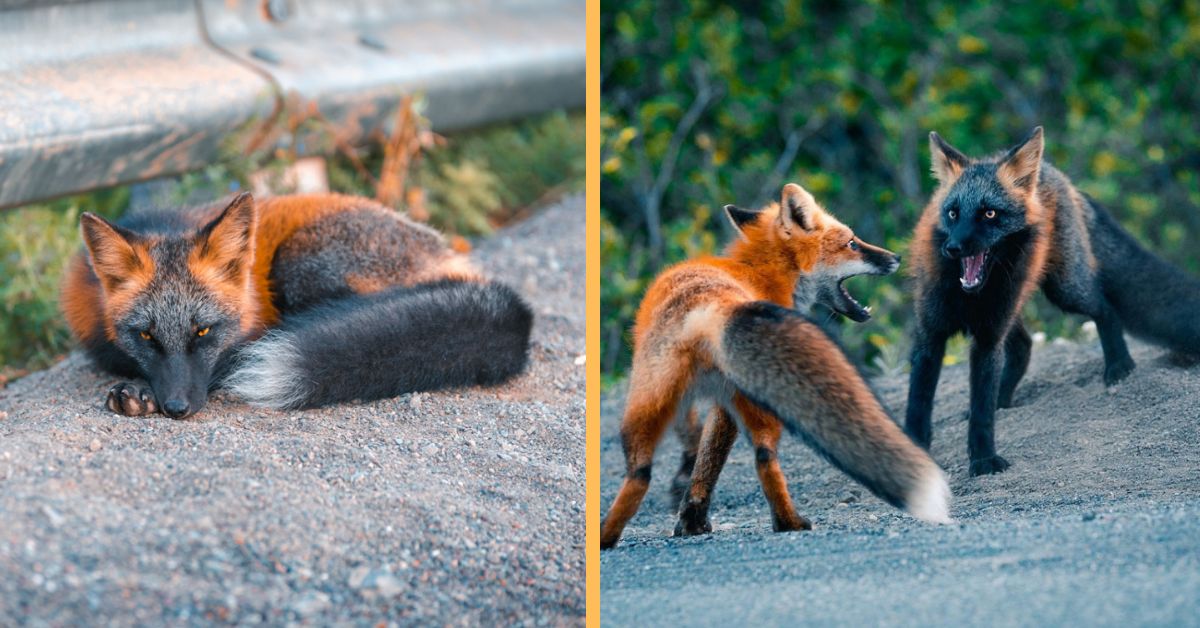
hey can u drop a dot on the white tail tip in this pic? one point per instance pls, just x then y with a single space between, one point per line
930 499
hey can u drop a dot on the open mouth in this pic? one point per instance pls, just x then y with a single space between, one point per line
847 306
974 271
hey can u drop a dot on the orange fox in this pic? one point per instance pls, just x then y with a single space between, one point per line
727 330
294 301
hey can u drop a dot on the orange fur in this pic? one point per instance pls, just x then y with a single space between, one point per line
102 281
678 331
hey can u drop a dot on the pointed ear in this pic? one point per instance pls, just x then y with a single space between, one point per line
225 247
114 251
796 208
1023 163
947 161
740 218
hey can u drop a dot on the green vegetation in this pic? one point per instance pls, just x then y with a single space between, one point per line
476 182
705 104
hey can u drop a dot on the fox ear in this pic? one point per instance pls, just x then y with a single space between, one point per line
740 218
1021 165
947 161
114 251
796 208
226 245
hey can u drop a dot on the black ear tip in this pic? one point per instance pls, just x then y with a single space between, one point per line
731 208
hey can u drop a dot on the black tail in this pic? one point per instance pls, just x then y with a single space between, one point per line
432 336
786 364
1156 300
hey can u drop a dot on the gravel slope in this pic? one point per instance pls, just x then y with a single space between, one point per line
455 508
1097 521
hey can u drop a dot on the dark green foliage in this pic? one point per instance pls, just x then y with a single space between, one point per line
840 97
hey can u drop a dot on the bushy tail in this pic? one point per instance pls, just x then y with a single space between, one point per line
786 364
1156 300
437 335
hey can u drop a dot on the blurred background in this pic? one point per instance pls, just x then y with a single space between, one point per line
709 103
467 114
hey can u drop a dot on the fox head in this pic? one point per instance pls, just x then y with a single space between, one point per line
175 303
984 204
798 233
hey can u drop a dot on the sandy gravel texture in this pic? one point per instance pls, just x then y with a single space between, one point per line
451 508
1097 521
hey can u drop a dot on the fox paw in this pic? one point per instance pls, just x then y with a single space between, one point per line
693 520
128 400
1118 371
989 465
794 523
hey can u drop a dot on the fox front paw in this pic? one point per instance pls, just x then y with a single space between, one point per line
1117 371
129 400
989 465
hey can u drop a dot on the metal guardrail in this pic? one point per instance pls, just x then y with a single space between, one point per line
102 92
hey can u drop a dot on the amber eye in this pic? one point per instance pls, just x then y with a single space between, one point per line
991 213
952 214
202 332
146 335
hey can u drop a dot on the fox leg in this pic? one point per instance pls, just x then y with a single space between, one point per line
1118 364
765 431
927 354
719 434
1016 360
653 400
986 357
689 429
128 400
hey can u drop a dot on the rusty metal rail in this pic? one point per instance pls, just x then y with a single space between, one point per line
102 92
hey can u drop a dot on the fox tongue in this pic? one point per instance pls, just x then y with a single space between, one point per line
972 270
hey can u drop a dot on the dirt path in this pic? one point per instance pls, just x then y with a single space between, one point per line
1095 523
450 508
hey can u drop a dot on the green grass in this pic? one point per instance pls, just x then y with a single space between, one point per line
478 181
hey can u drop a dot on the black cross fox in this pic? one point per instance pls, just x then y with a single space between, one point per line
994 231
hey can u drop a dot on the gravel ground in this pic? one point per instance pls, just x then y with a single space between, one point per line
463 507
1097 521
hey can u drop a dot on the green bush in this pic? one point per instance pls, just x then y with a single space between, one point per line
733 102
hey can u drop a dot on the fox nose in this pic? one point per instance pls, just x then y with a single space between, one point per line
952 249
175 408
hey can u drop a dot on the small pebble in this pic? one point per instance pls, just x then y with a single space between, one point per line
95 445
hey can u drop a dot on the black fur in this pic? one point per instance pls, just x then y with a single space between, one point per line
1100 272
1155 300
432 336
984 315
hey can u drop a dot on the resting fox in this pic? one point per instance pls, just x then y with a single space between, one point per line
296 301
995 230
722 329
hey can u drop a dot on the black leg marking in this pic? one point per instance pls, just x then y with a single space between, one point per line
1016 361
985 374
926 361
1118 364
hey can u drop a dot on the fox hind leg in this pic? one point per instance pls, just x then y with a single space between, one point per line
129 400
719 434
1016 361
765 431
653 400
689 428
